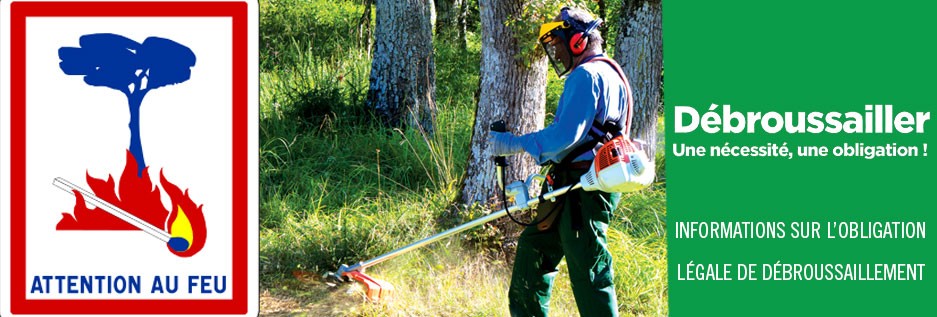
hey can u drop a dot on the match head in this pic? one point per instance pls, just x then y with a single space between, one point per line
178 244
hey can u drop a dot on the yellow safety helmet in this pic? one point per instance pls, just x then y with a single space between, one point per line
546 31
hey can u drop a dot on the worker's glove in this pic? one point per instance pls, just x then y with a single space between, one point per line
504 143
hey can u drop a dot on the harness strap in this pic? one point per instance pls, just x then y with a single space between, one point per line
603 131
599 134
624 80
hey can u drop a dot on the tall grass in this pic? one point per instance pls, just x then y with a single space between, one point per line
291 29
337 187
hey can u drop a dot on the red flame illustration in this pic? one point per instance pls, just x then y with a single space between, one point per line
137 196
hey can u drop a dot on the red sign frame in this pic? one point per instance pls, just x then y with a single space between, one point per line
237 11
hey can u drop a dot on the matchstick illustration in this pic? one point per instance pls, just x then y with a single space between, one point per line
176 243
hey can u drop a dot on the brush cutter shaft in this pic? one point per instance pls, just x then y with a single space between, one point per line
468 225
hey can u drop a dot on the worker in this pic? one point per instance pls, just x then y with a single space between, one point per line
596 97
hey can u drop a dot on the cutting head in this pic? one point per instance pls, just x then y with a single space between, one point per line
375 289
340 276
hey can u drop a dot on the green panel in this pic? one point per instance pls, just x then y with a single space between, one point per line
792 56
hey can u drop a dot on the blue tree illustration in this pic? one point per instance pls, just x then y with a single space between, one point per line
113 61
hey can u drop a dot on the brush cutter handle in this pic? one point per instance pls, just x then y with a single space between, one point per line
499 126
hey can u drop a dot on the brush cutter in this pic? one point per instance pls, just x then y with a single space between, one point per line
620 165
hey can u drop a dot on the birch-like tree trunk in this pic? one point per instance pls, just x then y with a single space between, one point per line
639 50
403 74
511 89
364 26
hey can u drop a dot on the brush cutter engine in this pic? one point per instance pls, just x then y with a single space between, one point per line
620 166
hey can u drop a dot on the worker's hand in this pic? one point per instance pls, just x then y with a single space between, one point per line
504 143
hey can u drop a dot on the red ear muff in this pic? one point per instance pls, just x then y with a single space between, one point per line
577 43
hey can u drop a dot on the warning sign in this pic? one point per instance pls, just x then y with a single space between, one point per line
129 162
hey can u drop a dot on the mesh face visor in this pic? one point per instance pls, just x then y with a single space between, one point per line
558 65
550 38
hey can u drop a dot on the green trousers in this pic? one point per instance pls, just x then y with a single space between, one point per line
585 249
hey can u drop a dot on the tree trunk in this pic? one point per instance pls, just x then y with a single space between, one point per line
639 50
448 20
403 73
134 101
364 26
512 90
462 23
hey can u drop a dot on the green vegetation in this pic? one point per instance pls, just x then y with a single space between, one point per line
337 187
